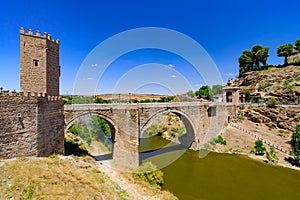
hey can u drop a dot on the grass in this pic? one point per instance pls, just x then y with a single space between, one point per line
56 178
287 81
276 89
264 86
282 132
288 87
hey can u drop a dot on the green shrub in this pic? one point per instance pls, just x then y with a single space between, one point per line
178 130
287 81
149 173
264 86
271 156
294 62
272 102
257 99
248 96
276 89
240 117
288 87
218 139
259 148
295 143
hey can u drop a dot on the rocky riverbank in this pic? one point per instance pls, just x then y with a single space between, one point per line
240 141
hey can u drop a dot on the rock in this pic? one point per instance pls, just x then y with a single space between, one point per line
257 117
284 117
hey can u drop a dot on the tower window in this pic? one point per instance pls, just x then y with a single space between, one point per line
35 63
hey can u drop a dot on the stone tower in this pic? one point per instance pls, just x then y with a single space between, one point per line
39 63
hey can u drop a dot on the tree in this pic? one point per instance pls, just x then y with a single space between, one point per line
260 56
245 62
190 93
297 44
99 100
204 92
285 51
254 59
259 148
216 89
248 96
98 127
80 129
295 143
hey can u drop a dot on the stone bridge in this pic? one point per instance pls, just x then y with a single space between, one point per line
203 121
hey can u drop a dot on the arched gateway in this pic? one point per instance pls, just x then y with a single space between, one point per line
128 121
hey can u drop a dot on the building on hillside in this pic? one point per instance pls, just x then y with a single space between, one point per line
231 92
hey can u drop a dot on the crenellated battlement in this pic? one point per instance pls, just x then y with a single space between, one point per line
41 96
38 34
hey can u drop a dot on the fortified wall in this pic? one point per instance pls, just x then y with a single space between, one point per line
32 121
31 124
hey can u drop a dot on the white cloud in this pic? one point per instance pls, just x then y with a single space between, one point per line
90 78
229 74
94 65
170 65
173 76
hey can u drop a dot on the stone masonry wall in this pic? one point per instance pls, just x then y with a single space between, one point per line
43 76
30 125
53 68
18 126
32 78
50 126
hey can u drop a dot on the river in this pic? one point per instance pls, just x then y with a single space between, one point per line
218 176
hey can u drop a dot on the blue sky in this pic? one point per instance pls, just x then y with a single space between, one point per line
223 28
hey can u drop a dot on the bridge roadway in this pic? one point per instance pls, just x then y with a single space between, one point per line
127 121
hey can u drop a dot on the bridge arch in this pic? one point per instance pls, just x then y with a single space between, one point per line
113 127
187 121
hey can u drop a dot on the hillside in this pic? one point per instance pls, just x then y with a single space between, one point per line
56 178
280 83
69 177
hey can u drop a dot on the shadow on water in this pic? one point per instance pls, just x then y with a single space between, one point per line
160 151
154 152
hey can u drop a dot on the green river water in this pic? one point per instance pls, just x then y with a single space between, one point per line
219 176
